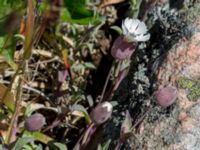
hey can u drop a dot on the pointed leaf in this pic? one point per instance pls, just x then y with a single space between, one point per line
77 107
126 128
78 9
39 136
21 142
60 146
7 97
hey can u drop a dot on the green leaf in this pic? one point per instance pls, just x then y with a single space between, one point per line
1 42
99 147
69 16
77 67
3 116
80 108
33 147
31 107
7 49
2 147
105 146
12 3
117 29
8 6
126 128
7 97
39 136
10 23
89 65
21 142
60 146
78 9
135 7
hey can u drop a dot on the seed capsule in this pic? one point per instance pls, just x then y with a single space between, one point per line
166 96
35 122
101 113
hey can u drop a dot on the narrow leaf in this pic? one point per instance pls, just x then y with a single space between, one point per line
80 108
39 136
21 142
60 146
89 65
29 30
7 97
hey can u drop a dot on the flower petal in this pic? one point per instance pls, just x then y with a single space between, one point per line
135 30
142 38
141 29
127 23
134 25
124 29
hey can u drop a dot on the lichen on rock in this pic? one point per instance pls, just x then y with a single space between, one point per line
193 86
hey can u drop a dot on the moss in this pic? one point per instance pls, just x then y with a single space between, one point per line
193 86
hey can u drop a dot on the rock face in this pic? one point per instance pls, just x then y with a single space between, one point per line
177 128
170 59
182 60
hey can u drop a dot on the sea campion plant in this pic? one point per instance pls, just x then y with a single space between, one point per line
133 31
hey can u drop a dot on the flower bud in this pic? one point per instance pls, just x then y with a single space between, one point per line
101 113
35 122
166 96
122 49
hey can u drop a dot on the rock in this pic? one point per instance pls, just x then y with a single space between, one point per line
179 129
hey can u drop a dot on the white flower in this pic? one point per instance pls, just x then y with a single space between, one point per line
135 30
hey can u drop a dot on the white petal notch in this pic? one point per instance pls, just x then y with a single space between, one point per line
135 30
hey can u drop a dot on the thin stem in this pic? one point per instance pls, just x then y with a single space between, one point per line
119 143
142 117
116 83
106 83
84 139
17 109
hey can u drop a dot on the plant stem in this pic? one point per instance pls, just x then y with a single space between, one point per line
119 143
106 83
13 122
